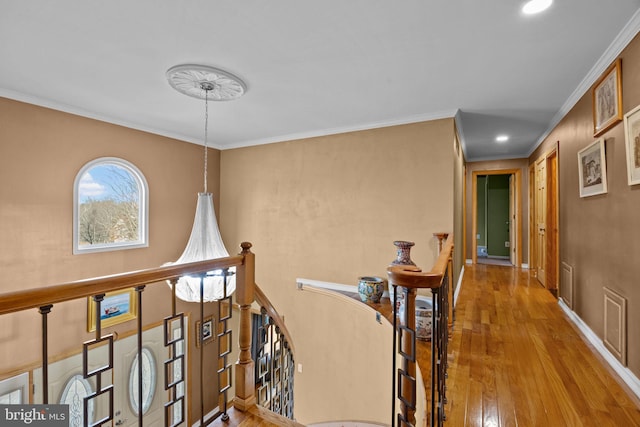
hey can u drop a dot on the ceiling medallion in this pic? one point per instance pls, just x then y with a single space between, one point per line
198 80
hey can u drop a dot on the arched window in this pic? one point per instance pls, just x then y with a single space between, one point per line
110 207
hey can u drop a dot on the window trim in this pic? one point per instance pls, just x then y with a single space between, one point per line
143 208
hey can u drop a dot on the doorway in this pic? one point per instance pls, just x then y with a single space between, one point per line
545 232
496 217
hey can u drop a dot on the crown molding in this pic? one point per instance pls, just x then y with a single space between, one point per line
628 32
344 129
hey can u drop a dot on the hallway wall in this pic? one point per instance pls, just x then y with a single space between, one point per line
329 209
41 151
600 235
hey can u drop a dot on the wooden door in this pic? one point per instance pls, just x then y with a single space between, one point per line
541 219
551 250
126 358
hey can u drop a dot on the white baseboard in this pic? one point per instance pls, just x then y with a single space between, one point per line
458 287
525 266
469 261
625 374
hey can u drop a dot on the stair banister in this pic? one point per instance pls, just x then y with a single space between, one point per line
245 396
410 278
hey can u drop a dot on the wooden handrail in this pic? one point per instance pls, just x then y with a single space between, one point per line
35 298
262 299
410 276
406 279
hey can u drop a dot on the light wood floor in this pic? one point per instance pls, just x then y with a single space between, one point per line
515 360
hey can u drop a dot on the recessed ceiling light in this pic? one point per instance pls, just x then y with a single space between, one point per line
535 6
502 138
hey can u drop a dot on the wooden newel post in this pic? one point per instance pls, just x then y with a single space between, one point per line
441 238
245 396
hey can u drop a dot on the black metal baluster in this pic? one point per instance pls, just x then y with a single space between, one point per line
175 362
97 372
44 311
434 349
224 354
139 290
393 360
201 338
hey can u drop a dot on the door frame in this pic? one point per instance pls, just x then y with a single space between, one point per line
552 259
516 173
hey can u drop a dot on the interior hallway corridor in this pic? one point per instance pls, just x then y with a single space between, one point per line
516 360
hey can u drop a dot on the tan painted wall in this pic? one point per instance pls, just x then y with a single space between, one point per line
521 164
41 151
329 209
599 235
458 210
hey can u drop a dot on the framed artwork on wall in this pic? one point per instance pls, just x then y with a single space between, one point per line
592 169
632 144
607 99
204 331
116 307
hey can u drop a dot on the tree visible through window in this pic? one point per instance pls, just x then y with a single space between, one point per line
110 208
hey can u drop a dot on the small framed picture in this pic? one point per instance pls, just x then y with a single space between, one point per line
632 144
592 169
116 307
607 99
204 331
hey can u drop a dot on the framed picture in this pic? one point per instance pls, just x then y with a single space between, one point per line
592 169
204 331
116 307
632 144
607 99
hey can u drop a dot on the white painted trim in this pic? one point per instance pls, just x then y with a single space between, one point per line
610 54
458 121
625 373
469 261
340 287
55 105
327 285
524 266
65 108
458 286
344 129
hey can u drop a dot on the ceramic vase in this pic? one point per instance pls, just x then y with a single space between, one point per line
370 288
424 317
403 253
403 257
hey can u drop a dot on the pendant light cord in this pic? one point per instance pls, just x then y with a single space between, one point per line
206 126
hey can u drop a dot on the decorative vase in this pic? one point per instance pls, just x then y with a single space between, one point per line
371 288
424 317
403 253
403 257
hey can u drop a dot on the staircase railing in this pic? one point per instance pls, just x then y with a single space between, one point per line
48 301
275 359
407 279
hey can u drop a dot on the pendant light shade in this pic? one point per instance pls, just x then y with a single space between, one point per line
205 242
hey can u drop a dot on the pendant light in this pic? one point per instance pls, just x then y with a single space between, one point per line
205 242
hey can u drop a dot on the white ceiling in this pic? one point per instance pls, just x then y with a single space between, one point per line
315 67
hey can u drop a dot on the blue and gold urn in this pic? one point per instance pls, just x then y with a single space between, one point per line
371 288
